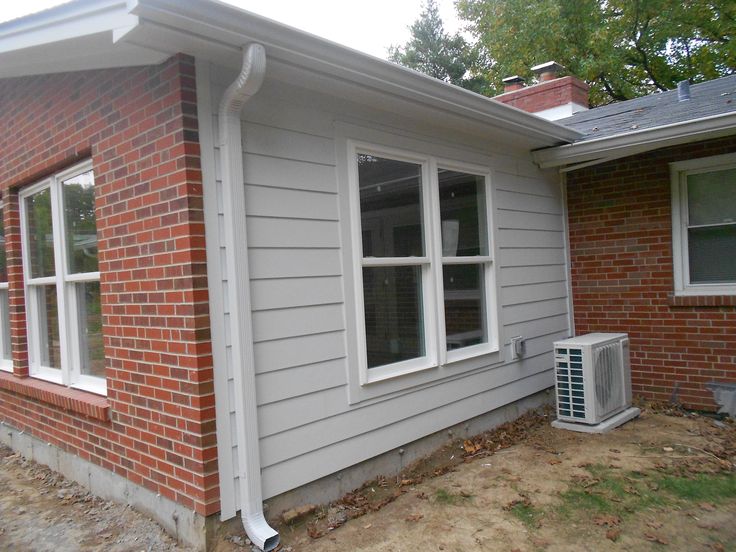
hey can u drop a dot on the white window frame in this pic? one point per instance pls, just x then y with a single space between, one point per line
70 373
6 365
679 172
436 354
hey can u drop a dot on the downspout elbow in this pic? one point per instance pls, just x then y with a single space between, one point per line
259 531
243 88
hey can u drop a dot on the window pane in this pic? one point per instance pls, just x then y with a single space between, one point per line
3 257
394 324
464 305
40 234
48 326
711 197
463 213
390 207
79 223
89 315
5 325
712 253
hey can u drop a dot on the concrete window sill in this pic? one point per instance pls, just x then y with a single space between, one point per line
73 400
702 300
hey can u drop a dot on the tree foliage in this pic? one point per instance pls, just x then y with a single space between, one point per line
433 51
622 48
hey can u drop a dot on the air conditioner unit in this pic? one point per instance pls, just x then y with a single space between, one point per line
593 382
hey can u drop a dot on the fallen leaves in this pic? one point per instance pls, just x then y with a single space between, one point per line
653 537
707 506
413 518
613 534
609 520
523 501
471 447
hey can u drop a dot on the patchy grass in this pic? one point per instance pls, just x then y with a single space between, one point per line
575 500
527 513
612 492
703 487
442 496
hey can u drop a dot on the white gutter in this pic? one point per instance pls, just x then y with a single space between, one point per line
600 150
245 86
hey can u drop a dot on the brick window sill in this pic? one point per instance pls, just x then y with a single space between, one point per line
73 400
701 300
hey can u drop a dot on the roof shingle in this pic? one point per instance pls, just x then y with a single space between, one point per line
709 98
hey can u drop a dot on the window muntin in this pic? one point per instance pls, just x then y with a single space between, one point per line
426 269
6 356
704 225
64 318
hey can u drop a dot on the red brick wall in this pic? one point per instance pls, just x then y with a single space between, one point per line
138 125
548 94
622 276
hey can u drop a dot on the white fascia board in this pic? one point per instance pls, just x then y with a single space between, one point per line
600 150
65 22
229 27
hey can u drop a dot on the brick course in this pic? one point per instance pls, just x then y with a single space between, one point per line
139 126
622 276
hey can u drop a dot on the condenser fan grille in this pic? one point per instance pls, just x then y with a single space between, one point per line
608 382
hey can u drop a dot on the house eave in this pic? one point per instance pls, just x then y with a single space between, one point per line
148 30
573 156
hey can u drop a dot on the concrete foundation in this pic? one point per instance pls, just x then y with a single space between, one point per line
187 526
389 464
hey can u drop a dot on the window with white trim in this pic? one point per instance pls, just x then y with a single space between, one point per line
426 267
6 356
704 225
62 280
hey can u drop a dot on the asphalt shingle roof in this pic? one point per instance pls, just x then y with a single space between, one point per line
707 99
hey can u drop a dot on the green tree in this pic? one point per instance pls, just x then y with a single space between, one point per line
622 48
433 51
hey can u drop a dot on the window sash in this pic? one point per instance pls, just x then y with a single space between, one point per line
70 372
432 264
681 224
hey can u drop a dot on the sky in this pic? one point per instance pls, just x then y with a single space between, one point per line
347 22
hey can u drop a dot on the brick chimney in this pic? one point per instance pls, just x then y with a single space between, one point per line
553 97
513 83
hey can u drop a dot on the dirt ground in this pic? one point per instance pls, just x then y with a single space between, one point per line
42 511
661 482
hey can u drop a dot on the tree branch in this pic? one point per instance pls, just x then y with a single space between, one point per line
609 89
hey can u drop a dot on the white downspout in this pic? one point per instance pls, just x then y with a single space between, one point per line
245 86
